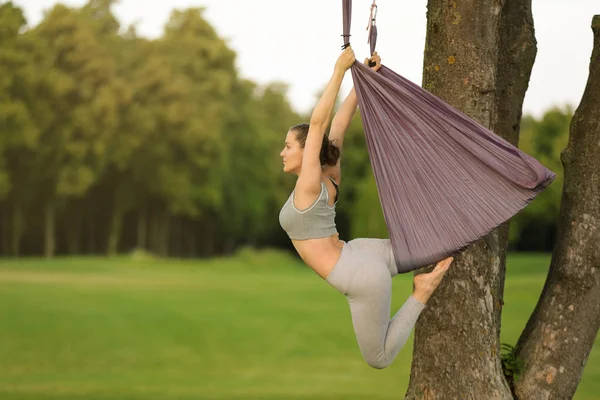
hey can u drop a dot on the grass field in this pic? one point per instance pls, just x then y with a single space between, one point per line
258 326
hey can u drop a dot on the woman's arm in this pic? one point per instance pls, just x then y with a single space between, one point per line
342 120
309 181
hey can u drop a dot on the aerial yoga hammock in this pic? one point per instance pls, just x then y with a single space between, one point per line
444 180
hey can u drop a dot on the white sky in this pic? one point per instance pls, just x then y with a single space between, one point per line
297 42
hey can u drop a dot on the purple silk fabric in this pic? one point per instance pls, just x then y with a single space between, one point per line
444 180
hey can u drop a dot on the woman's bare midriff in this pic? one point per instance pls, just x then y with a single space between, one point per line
321 254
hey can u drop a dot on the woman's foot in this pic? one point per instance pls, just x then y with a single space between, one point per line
425 284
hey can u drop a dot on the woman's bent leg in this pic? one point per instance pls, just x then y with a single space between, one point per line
370 297
364 277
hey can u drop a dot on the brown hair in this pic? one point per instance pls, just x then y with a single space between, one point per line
329 154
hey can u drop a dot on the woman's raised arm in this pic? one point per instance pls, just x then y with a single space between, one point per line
309 180
342 120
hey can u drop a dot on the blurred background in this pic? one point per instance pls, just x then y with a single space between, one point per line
150 133
133 126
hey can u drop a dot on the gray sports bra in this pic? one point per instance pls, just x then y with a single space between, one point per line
317 221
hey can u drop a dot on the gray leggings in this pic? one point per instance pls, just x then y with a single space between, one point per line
364 274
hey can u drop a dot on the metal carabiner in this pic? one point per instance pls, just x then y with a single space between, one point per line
372 15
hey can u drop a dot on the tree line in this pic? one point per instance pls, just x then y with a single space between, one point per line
111 142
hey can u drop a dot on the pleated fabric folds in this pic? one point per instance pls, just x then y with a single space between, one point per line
444 180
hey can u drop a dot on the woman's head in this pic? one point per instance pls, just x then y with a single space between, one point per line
294 149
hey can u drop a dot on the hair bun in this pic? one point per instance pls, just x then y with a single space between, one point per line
330 153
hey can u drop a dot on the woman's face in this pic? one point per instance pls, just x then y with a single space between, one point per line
292 154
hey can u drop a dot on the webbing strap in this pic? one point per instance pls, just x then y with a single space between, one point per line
347 20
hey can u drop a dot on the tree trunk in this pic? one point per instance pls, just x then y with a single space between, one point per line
176 236
173 236
516 56
74 228
50 230
91 234
5 227
123 201
191 236
456 352
17 229
164 234
155 227
116 226
142 228
560 334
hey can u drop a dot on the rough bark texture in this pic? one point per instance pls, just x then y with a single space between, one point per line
560 334
517 52
467 63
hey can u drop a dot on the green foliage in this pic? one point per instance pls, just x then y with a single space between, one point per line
367 217
11 21
543 139
511 364
81 95
118 126
16 127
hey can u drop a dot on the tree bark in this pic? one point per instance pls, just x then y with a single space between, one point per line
559 336
456 352
517 52
518 48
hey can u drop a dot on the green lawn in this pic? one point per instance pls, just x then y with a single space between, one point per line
259 326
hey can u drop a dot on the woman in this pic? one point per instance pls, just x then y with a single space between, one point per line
361 269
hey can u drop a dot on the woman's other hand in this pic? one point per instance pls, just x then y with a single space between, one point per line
375 58
345 60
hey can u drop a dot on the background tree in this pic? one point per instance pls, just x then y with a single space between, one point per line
18 133
84 94
560 333
534 228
